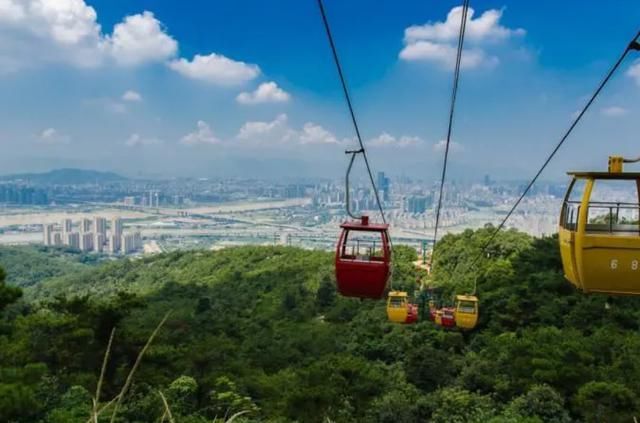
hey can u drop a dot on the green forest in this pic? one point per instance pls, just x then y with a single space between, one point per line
258 334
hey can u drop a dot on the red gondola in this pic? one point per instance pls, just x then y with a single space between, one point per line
412 316
363 259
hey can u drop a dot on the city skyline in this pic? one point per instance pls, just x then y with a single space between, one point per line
249 91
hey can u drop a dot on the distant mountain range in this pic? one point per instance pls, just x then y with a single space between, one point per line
66 177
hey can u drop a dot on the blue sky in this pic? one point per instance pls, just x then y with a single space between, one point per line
248 88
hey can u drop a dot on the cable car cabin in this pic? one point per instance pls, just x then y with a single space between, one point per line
363 259
466 313
399 310
599 231
445 317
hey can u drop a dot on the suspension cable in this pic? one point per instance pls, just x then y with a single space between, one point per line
347 97
454 94
633 45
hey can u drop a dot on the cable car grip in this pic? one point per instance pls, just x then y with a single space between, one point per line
347 195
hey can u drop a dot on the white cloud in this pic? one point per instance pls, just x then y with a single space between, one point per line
67 31
454 147
267 92
484 28
634 72
387 140
132 96
51 136
202 135
141 39
445 55
11 10
614 111
216 69
436 41
279 131
276 130
315 134
136 140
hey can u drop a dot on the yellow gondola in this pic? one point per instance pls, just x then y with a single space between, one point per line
399 310
466 311
599 230
397 306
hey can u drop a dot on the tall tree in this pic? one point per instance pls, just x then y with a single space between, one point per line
8 294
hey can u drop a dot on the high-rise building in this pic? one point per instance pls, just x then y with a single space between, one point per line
57 239
137 241
127 243
100 225
86 241
383 186
416 204
99 241
285 239
85 225
72 239
48 234
116 227
114 243
67 226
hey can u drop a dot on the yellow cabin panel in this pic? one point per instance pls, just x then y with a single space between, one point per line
466 312
567 244
611 264
599 238
397 307
438 318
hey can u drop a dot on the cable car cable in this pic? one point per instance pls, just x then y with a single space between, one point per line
347 97
454 94
633 45
362 150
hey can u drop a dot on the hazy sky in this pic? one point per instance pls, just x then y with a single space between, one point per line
248 87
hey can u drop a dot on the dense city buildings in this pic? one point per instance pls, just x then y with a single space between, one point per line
23 195
215 213
92 236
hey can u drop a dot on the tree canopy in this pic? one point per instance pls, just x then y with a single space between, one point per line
262 330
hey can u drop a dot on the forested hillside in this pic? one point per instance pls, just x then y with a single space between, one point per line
262 330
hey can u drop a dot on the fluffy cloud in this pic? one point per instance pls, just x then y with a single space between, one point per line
445 55
614 111
202 135
279 131
276 130
634 72
315 134
388 140
51 136
436 41
454 147
67 31
132 96
136 140
141 39
215 69
267 92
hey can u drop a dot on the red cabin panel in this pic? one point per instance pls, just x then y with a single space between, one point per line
448 318
412 317
363 260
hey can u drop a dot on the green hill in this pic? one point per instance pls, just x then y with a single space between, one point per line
66 177
261 329
30 265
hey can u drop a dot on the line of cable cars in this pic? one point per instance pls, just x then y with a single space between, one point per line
363 269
